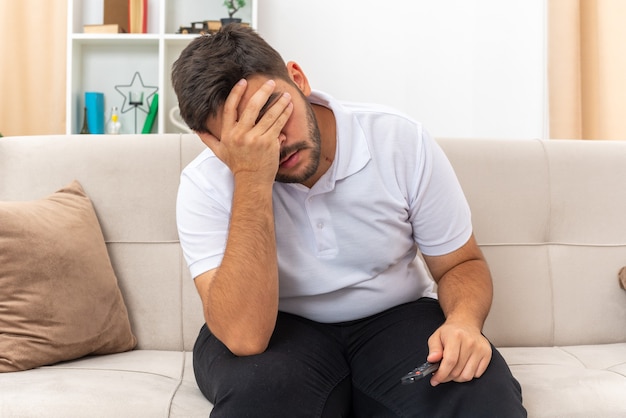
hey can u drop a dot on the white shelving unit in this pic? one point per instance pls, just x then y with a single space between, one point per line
99 62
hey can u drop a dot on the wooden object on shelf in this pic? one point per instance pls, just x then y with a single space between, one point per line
202 27
116 13
138 16
108 28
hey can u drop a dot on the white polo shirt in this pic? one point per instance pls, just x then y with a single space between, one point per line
347 246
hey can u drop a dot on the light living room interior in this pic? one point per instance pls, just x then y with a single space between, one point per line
525 97
475 69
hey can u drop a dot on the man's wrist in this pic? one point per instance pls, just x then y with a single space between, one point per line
253 180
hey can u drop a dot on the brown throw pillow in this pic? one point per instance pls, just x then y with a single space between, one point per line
59 298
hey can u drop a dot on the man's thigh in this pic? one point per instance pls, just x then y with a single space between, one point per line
303 373
385 347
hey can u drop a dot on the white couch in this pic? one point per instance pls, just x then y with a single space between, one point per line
550 217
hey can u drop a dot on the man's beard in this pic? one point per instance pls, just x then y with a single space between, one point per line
314 144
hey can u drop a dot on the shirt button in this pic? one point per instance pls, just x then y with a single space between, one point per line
320 225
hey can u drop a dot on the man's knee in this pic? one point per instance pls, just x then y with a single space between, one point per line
286 380
267 385
496 394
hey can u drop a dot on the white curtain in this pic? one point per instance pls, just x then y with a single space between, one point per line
32 66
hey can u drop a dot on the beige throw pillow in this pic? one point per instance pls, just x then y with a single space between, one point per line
59 298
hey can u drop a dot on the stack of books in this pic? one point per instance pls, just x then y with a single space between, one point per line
122 16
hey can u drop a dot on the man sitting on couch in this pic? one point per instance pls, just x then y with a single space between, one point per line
300 224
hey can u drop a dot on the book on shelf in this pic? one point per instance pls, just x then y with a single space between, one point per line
108 28
116 12
137 16
154 108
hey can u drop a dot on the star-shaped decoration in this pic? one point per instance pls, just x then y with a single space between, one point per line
136 87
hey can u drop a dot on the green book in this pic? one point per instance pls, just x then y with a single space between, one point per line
154 108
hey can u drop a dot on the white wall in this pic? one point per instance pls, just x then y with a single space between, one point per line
465 68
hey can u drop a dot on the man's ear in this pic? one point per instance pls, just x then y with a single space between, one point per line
297 76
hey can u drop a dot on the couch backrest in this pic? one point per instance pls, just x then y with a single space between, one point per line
550 216
132 181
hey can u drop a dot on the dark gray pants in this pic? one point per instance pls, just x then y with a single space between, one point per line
350 369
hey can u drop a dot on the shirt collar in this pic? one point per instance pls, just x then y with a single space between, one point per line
352 152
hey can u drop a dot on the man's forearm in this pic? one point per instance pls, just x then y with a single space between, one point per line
465 293
242 301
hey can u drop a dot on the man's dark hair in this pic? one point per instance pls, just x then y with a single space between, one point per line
209 67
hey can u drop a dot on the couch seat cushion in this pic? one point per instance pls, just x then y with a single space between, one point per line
572 381
140 383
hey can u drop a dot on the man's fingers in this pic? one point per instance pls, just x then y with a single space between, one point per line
265 111
250 114
471 368
277 116
482 366
446 367
231 105
465 369
435 348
